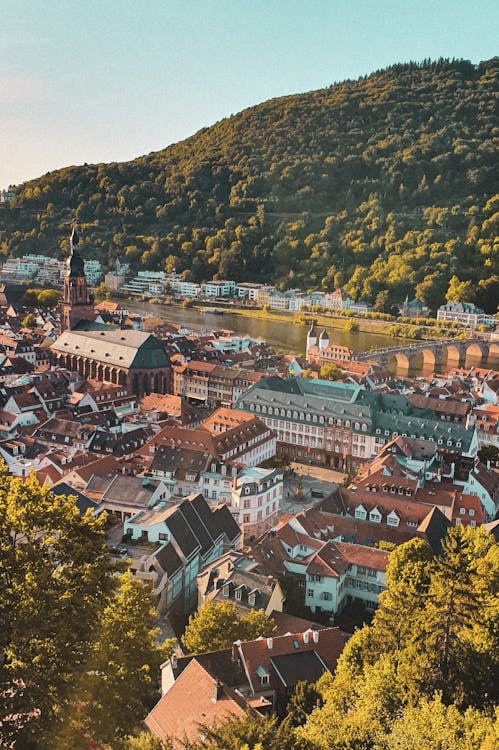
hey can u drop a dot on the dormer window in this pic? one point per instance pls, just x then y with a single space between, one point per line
251 600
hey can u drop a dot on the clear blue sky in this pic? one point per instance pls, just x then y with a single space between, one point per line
106 80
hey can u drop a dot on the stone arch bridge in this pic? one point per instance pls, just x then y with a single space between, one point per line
435 355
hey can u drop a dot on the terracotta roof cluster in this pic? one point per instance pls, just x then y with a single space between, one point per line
195 699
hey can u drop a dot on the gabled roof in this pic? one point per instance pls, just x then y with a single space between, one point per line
300 666
83 503
434 527
286 623
193 701
256 655
114 347
105 466
168 559
335 557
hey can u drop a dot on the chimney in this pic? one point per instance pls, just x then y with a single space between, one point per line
270 642
235 646
305 636
218 691
315 636
173 660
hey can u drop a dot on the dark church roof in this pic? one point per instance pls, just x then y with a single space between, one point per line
118 348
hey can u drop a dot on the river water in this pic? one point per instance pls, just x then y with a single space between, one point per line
283 335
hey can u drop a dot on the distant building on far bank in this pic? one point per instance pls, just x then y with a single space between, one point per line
465 312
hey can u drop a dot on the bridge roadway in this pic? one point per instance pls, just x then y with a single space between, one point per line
451 352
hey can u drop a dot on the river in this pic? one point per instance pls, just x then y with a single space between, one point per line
281 334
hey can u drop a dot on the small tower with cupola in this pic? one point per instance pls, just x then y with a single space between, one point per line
76 303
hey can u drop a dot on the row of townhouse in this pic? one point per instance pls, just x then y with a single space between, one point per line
221 458
158 283
211 384
42 268
342 424
407 475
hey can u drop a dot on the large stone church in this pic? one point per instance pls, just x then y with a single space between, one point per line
132 359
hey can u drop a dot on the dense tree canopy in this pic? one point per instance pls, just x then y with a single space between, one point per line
384 184
217 625
424 674
78 658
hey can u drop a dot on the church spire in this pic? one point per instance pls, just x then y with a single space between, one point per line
76 303
75 264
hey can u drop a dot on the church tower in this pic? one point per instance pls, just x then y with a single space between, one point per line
76 303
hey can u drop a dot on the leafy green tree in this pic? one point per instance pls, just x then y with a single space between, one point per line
55 575
407 582
351 326
119 683
144 741
102 292
217 625
435 631
49 297
381 301
460 620
432 725
459 291
29 321
330 372
304 700
431 290
250 733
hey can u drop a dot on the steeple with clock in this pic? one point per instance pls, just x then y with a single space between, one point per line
77 304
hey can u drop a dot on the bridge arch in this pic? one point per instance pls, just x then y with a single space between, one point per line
399 362
477 351
493 353
429 357
453 355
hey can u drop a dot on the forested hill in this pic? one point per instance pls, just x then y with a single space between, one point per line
384 183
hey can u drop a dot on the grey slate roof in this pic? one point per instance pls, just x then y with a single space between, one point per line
179 461
83 503
169 560
303 665
386 412
125 490
182 533
219 663
114 347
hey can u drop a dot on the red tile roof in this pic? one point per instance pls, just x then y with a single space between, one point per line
190 703
327 643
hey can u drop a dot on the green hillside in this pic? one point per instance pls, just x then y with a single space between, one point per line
386 185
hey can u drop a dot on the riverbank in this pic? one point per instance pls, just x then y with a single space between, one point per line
325 321
280 330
